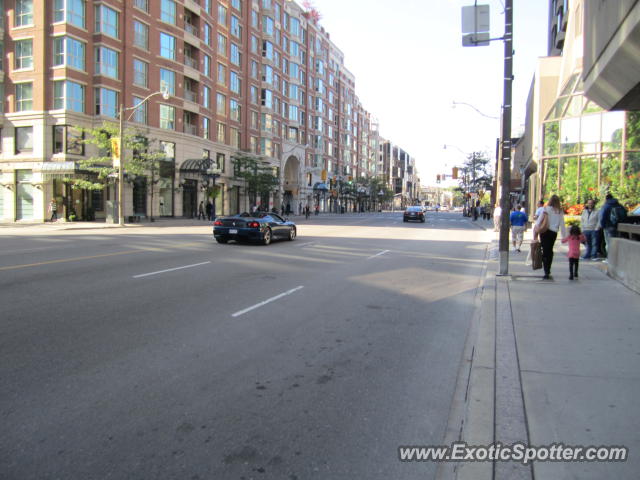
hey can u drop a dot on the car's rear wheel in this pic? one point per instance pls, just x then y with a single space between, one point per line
292 234
266 239
222 240
422 220
405 220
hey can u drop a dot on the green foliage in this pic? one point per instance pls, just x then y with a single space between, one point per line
551 136
139 158
258 176
475 172
570 221
633 130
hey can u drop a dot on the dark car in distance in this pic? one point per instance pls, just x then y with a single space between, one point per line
261 227
413 213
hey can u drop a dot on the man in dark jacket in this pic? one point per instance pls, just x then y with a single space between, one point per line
610 230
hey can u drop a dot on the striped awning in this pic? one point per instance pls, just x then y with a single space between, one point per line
58 169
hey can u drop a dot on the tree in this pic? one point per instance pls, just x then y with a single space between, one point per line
142 158
475 172
257 174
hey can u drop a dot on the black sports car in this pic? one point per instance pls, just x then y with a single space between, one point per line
256 227
413 213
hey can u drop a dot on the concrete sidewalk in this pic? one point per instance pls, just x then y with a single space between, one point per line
554 362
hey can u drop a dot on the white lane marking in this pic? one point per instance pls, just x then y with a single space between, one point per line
306 244
272 299
169 270
378 254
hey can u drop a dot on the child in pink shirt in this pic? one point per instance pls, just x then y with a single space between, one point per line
575 238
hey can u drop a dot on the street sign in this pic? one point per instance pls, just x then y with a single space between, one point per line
475 39
475 26
475 19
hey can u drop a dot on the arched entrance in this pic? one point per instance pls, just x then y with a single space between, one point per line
291 184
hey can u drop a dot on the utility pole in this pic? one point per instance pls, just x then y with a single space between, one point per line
505 151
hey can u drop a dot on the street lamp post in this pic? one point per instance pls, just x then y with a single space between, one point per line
165 95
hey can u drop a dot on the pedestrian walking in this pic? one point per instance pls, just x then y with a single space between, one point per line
209 211
575 238
307 212
201 210
53 210
288 208
317 209
538 210
589 223
610 215
497 213
518 221
549 223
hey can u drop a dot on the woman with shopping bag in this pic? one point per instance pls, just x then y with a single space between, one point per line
547 226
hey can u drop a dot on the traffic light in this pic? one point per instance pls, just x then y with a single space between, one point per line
454 173
438 178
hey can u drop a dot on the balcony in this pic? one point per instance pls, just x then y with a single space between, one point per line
191 29
191 62
191 129
191 96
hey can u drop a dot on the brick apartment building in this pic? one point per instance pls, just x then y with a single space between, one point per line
255 76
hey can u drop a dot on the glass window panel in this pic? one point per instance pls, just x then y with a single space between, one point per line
58 138
140 73
610 171
550 180
140 35
574 108
569 135
168 11
568 88
24 53
632 165
24 139
24 97
24 13
633 128
168 81
588 178
167 46
106 21
75 141
590 133
592 107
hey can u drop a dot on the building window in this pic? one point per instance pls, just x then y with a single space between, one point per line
24 97
207 34
168 81
106 21
24 139
222 74
236 29
168 11
24 54
167 46
140 110
71 11
140 35
237 4
106 102
267 25
236 56
206 65
68 51
234 110
206 128
140 73
24 13
141 4
68 95
67 139
234 83
207 6
221 104
222 45
234 137
221 133
220 162
167 117
222 15
106 62
206 97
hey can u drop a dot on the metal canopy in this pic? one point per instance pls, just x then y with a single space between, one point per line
197 165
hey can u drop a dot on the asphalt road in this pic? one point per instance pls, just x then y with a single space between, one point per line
156 353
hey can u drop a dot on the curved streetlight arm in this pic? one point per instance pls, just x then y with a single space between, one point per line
454 103
164 93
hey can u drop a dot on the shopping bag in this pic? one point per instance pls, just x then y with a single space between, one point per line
535 252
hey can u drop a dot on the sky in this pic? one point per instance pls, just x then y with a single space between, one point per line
410 66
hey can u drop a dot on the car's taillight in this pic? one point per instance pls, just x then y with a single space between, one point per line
218 223
253 225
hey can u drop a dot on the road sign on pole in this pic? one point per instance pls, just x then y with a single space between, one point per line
475 25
